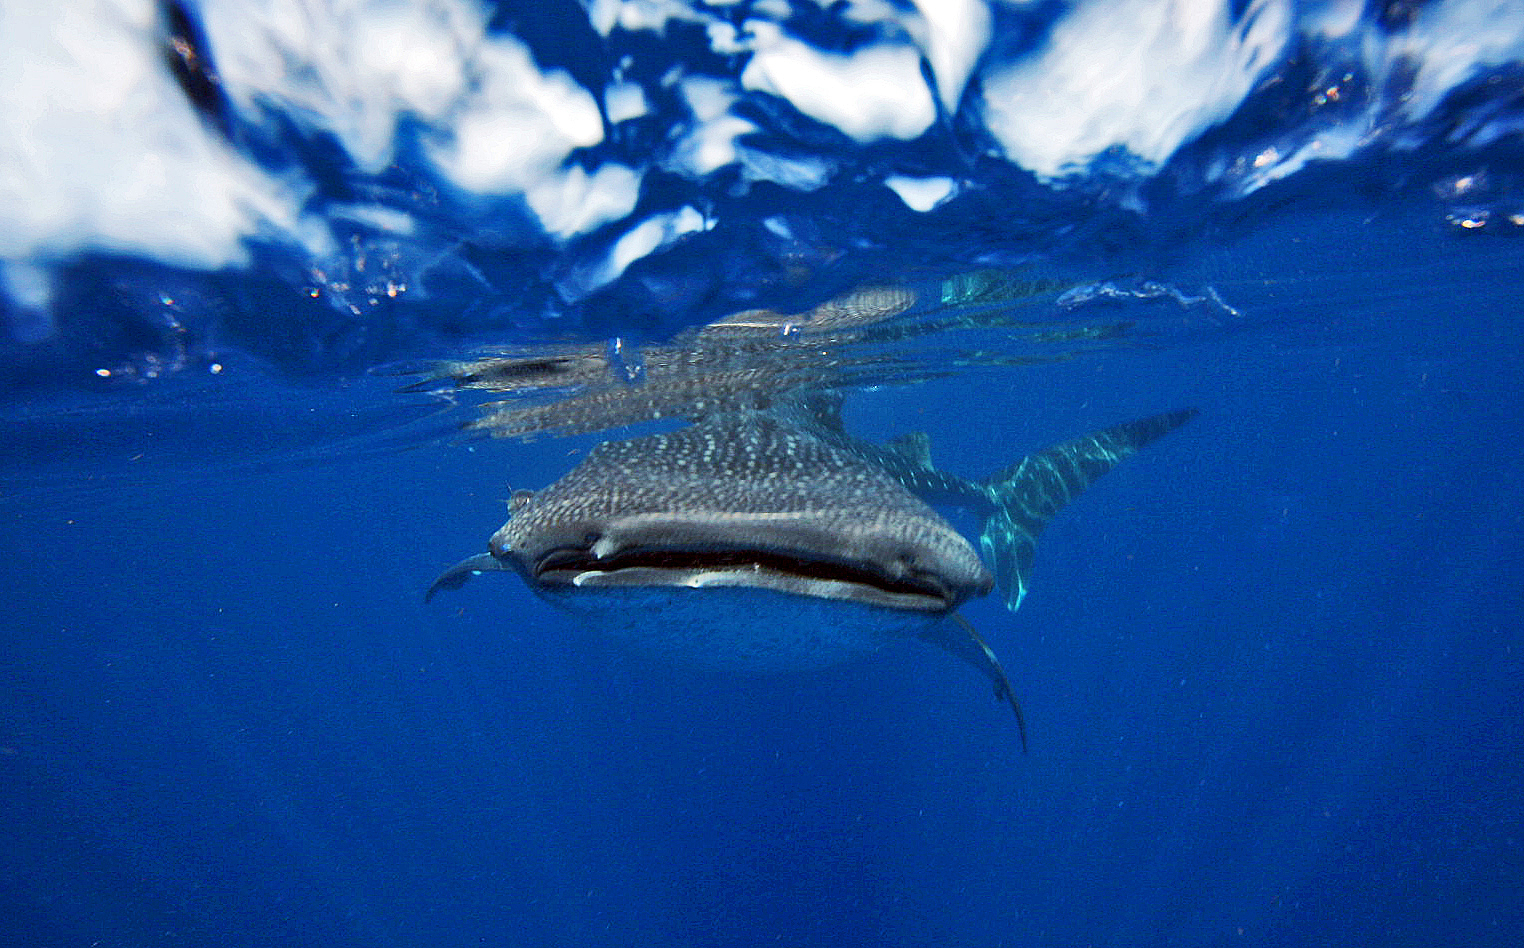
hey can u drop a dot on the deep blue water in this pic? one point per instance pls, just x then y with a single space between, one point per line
1272 668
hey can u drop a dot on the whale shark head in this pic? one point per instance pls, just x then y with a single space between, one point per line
740 501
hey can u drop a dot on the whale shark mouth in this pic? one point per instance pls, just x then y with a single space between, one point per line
778 570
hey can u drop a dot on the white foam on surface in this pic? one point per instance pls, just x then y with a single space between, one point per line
639 15
710 140
575 202
954 36
350 67
798 173
1143 75
358 68
517 125
1447 45
645 238
951 34
653 233
29 288
99 148
623 101
1332 20
384 219
1273 164
877 92
921 194
29 319
1454 42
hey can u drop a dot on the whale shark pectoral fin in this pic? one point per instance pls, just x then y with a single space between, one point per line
966 644
456 576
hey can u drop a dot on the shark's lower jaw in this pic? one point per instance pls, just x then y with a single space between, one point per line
779 572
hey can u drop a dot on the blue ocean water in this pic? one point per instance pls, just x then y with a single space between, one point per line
1271 668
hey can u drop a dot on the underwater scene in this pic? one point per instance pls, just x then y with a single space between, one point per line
762 473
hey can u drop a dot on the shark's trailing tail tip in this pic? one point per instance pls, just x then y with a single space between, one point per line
1028 494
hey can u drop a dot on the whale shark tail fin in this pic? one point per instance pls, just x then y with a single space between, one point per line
1027 494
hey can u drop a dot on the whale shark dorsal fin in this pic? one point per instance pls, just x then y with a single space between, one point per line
823 409
1029 493
914 447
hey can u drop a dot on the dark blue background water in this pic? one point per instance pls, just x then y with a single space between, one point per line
1272 671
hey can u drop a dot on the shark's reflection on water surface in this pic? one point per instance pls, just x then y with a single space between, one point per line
762 536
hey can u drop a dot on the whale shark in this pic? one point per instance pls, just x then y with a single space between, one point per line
770 540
